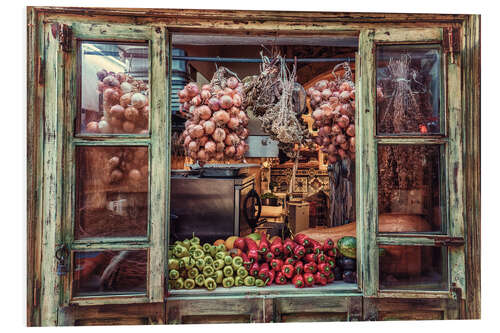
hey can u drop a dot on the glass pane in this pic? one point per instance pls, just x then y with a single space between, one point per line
408 89
114 88
409 190
413 267
110 272
111 191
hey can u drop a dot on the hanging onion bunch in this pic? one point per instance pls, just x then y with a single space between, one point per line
216 128
125 104
127 166
333 103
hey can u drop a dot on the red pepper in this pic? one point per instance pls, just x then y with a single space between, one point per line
288 246
324 268
254 270
264 245
302 240
310 267
253 252
280 278
239 243
264 269
299 251
246 261
287 270
269 256
298 281
330 277
332 253
290 261
309 279
270 276
311 257
331 263
316 246
320 278
276 264
321 258
277 247
299 267
328 244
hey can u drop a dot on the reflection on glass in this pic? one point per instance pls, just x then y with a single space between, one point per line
408 89
409 188
413 267
111 191
109 272
114 88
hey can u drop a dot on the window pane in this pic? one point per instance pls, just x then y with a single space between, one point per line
409 190
413 267
109 272
408 89
111 191
114 88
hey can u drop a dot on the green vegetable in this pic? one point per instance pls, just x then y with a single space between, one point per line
206 247
193 273
173 274
173 264
209 261
179 283
228 282
242 272
208 271
171 284
221 248
219 275
188 262
200 263
228 260
180 251
213 251
210 284
259 283
347 246
195 240
219 264
189 284
249 281
186 243
237 262
220 255
198 253
239 281
200 280
228 271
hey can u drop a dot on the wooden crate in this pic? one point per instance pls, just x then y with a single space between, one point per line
298 218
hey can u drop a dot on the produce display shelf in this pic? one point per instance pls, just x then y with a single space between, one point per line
274 290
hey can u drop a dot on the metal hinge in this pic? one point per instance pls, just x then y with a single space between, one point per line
65 37
451 42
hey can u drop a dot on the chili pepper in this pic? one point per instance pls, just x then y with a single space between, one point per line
321 258
173 264
332 252
287 271
189 284
206 247
173 274
249 281
310 267
290 261
269 256
270 277
219 264
259 283
238 281
220 255
299 251
246 262
179 283
302 239
280 278
330 277
253 251
264 269
228 260
324 268
328 244
276 264
288 246
237 262
209 261
309 279
311 257
228 271
180 251
277 247
193 273
239 243
221 247
320 278
228 282
199 280
208 271
298 281
200 263
264 244
254 269
210 284
299 267
219 275
241 272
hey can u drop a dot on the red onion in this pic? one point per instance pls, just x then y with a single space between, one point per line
196 100
325 131
104 127
331 149
209 127
111 96
128 126
336 129
111 81
228 91
351 130
234 111
203 140
115 122
326 93
232 140
233 123
326 141
117 111
205 94
187 141
344 96
232 82
131 114
321 85
92 127
221 117
219 135
219 147
240 150
352 95
219 156
206 87
237 100
183 94
318 114
204 112
343 121
213 104
138 100
340 139
345 86
202 155
342 153
197 131
242 116
345 145
226 101
210 147
230 151
334 100
193 146
135 175
192 89
243 134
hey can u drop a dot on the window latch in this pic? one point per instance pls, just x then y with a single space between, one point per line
62 255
